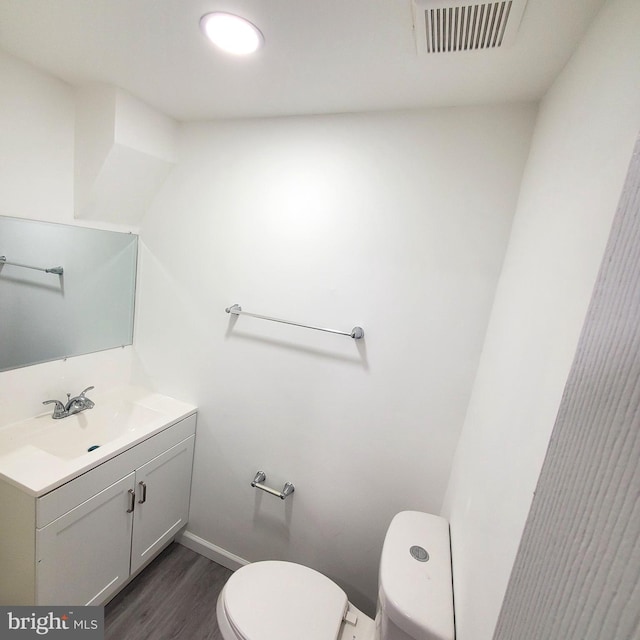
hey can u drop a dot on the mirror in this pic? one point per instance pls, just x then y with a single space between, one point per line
88 307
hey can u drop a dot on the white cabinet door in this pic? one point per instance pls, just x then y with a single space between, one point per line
83 557
163 486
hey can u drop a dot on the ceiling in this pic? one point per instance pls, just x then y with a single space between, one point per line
323 56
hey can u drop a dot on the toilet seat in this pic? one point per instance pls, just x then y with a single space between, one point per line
276 600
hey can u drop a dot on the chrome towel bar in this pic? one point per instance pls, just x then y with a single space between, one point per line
356 333
260 477
57 270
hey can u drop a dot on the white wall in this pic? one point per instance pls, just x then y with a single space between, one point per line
396 222
580 152
123 151
36 143
36 181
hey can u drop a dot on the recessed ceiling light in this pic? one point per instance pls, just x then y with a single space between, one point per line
231 33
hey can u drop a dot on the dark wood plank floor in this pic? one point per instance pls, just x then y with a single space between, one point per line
174 598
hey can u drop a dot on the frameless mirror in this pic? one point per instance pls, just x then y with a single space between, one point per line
46 315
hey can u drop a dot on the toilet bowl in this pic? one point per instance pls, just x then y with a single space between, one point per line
285 601
276 600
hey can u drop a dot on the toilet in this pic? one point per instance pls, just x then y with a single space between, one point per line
276 600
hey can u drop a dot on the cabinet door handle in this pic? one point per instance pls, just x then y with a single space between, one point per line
132 501
143 497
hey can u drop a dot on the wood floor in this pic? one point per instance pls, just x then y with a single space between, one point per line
173 598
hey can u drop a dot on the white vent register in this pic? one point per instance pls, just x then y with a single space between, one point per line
444 26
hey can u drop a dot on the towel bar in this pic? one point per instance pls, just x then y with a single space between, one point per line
356 333
57 270
260 477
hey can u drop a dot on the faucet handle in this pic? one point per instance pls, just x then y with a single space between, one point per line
58 403
88 402
59 411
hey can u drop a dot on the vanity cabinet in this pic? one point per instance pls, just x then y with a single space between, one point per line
94 533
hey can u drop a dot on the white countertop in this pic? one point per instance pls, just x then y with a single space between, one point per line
40 454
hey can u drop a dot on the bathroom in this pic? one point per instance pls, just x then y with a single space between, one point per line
465 237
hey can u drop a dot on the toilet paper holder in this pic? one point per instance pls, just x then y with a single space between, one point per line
260 477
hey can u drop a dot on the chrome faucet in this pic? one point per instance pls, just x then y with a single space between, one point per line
74 405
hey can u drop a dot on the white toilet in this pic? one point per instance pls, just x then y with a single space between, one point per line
276 600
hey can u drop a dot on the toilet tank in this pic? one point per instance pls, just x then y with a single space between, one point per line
415 592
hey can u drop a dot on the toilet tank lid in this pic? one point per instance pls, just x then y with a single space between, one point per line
283 600
417 595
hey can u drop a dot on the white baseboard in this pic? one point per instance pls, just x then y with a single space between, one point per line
211 551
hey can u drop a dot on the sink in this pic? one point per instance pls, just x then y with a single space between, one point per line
39 454
91 429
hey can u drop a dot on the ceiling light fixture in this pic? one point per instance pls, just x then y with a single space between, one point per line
231 33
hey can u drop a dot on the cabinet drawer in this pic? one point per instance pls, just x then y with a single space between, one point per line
59 501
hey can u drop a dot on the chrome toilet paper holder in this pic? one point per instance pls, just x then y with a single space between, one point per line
260 477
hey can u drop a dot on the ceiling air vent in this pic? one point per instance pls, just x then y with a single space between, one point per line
443 26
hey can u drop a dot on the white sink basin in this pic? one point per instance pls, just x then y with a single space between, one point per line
40 454
93 428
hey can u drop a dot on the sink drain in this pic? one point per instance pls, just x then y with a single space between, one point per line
93 447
